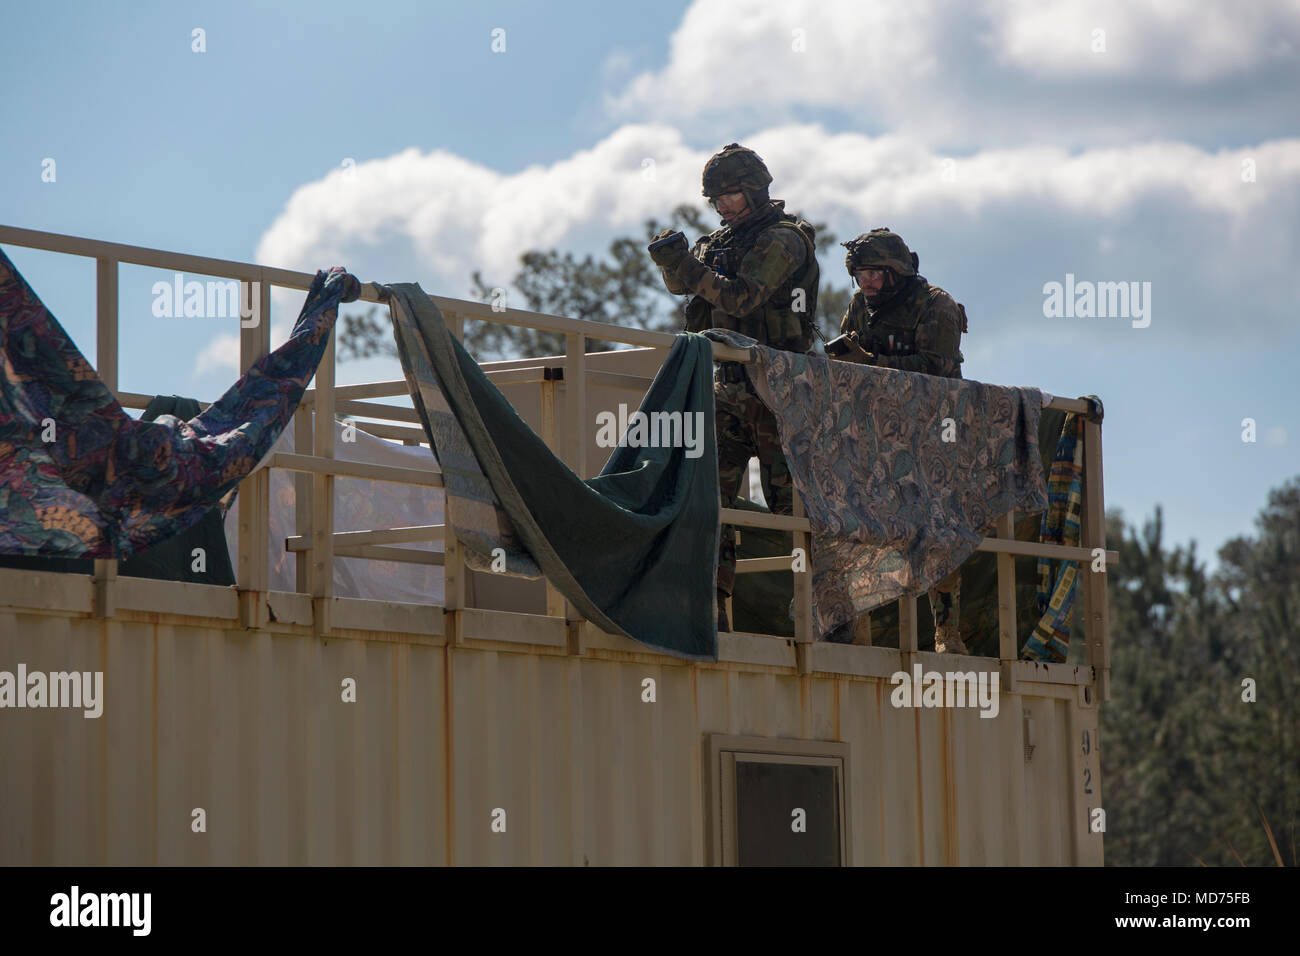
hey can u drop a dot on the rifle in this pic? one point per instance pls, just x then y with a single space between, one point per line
699 312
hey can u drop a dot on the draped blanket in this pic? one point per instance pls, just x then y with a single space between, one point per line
79 477
635 548
899 472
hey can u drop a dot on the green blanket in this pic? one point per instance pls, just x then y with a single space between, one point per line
635 548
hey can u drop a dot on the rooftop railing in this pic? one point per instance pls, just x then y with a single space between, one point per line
316 543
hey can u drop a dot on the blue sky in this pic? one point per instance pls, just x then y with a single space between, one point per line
997 137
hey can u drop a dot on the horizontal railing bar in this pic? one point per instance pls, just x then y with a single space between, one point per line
782 562
396 432
556 323
377 553
343 468
538 361
378 429
392 389
519 376
135 255
763 519
391 413
1077 405
636 383
1039 549
545 360
363 390
421 532
140 400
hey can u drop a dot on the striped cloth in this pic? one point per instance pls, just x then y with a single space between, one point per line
1050 640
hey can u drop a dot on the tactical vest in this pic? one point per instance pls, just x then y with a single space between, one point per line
774 323
891 329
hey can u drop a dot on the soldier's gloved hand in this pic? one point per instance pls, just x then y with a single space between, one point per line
668 248
858 354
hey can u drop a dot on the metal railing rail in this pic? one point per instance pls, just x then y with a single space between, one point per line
317 543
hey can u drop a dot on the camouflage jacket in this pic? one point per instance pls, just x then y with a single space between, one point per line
748 279
919 330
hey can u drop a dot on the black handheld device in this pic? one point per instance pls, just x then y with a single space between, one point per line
667 240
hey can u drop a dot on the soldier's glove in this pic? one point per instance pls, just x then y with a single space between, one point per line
668 248
860 355
846 349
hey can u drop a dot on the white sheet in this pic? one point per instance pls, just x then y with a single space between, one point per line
359 505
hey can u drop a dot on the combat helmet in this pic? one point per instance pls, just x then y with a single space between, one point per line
881 249
737 169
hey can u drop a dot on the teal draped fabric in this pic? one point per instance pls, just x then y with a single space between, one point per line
634 548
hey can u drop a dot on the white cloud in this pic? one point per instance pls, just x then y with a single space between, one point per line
965 74
894 176
449 216
1192 41
440 216
220 355
734 53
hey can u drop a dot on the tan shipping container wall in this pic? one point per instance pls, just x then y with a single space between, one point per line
250 726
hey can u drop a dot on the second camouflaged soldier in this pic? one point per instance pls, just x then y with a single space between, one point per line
899 320
757 275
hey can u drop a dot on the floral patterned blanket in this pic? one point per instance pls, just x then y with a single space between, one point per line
81 478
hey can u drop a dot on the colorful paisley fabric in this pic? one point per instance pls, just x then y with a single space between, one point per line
79 477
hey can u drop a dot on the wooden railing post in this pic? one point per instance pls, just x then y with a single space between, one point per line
303 444
1094 582
575 409
555 603
575 394
455 579
1007 628
455 573
254 491
862 629
106 341
907 635
322 519
803 621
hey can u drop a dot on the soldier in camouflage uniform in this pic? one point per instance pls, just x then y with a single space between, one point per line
899 320
757 275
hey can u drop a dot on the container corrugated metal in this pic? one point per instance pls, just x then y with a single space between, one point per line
250 726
